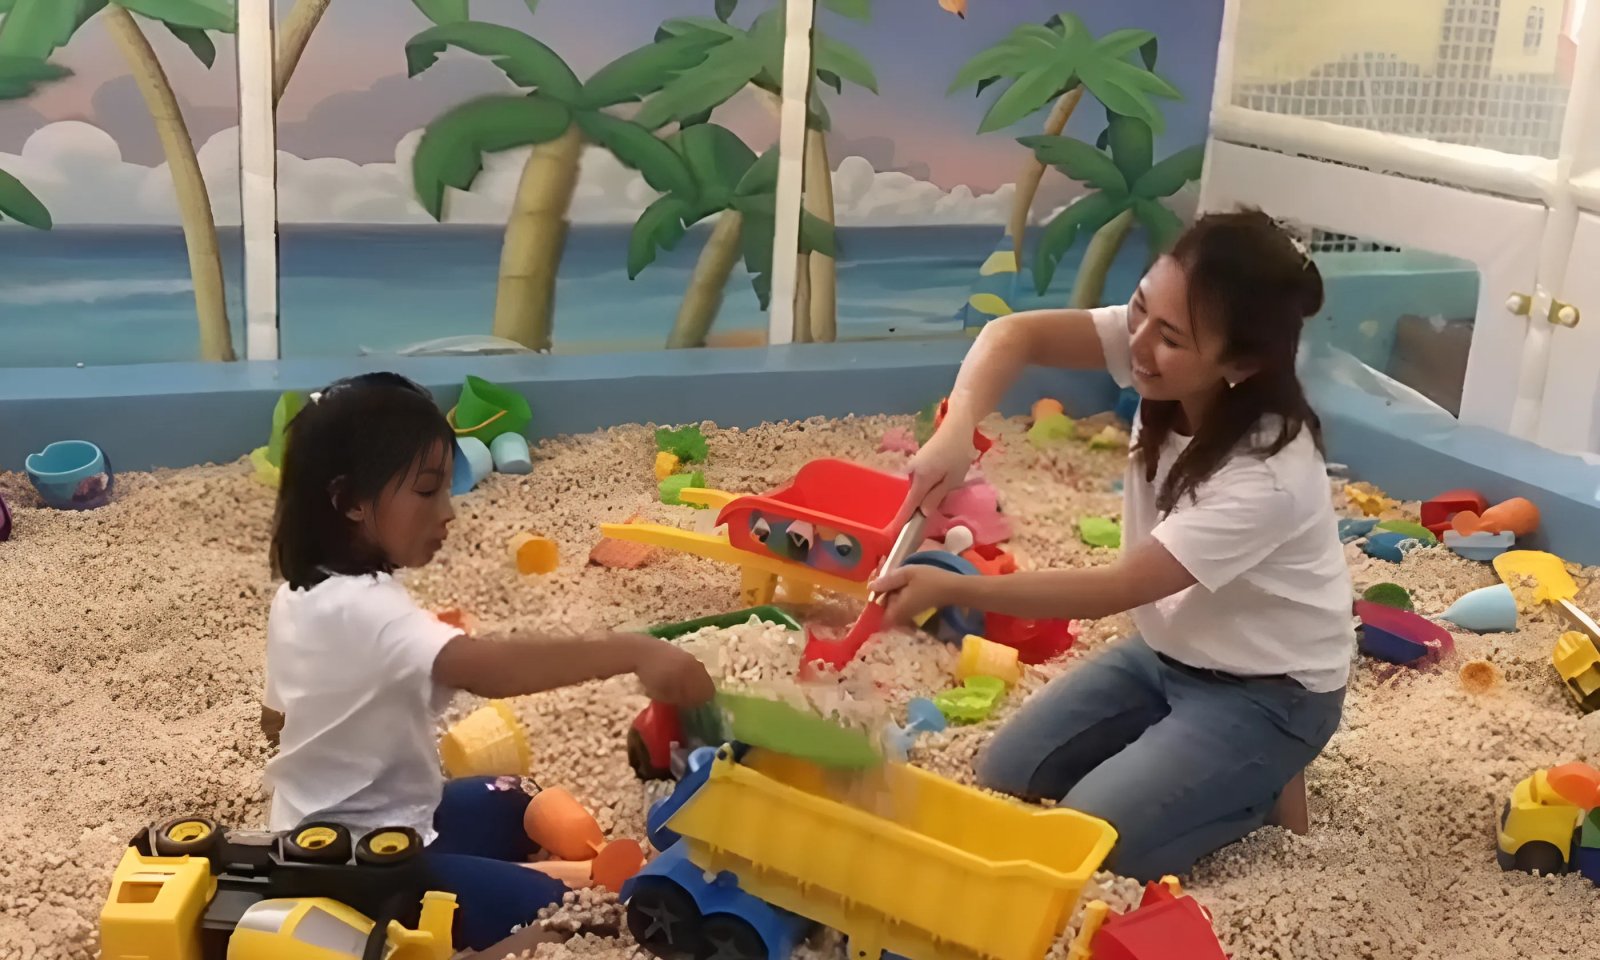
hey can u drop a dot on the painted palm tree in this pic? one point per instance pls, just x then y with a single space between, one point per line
1052 65
34 29
556 117
293 35
728 181
1128 188
754 58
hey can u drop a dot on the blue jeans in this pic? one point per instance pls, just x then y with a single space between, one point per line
1181 761
477 857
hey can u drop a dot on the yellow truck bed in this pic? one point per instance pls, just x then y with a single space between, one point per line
898 859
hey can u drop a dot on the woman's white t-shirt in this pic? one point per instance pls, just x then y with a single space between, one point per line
350 666
1261 538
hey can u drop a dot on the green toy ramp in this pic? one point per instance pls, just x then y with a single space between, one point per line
782 728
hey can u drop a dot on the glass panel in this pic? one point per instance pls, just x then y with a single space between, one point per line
365 267
1483 73
1406 314
102 262
925 178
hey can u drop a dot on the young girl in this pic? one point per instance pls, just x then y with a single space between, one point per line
358 673
1181 737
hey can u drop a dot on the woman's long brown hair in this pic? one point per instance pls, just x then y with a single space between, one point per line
1251 285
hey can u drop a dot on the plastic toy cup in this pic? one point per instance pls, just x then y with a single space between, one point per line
556 821
473 463
70 475
984 658
534 554
510 452
488 742
486 410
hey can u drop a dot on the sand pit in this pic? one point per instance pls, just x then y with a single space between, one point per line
133 638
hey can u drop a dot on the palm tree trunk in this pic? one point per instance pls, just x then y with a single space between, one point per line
824 311
194 204
293 35
536 234
1033 170
703 300
1090 284
802 301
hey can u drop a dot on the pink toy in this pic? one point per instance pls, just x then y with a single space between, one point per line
976 506
898 440
1407 625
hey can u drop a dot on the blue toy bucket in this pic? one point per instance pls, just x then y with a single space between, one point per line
71 475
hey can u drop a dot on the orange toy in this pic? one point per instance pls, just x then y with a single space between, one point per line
613 866
556 821
621 554
1517 516
1047 408
533 554
1576 783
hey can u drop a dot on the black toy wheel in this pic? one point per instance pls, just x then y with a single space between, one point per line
664 920
1537 856
726 937
317 843
639 759
185 837
388 846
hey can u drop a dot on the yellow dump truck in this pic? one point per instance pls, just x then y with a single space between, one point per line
759 848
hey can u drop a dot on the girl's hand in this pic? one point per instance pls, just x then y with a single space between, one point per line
671 674
915 589
940 467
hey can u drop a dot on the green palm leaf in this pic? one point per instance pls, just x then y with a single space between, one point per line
663 169
34 29
854 9
1031 91
452 147
755 241
817 236
1162 225
1168 177
219 15
21 76
1078 160
1120 43
1131 143
1101 79
717 159
645 71
198 41
757 205
830 79
443 11
762 177
685 26
1004 59
1085 216
659 227
526 61
843 61
727 69
19 203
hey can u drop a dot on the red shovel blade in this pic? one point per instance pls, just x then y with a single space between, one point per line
837 652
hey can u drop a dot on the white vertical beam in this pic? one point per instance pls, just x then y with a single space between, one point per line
258 179
791 168
1221 92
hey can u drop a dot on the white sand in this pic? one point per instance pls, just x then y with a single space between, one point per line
132 646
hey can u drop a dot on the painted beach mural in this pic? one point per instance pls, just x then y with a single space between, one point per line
600 175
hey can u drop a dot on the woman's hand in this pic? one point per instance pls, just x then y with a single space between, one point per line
671 674
916 589
940 467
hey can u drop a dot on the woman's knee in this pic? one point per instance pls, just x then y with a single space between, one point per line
1008 763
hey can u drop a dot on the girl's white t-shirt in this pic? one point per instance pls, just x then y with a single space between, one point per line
350 666
1261 538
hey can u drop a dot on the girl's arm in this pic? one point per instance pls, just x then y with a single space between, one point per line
1050 338
517 665
1144 575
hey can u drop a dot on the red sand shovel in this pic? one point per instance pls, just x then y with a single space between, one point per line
836 652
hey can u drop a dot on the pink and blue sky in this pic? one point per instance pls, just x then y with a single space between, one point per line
351 98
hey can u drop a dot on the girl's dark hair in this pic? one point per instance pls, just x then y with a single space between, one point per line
360 437
1250 283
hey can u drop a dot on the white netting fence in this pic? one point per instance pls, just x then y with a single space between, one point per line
1483 73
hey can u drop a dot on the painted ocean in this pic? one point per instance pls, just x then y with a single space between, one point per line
122 295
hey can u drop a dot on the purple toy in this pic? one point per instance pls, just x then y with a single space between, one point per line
5 520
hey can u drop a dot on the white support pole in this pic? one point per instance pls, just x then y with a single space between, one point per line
791 168
1221 92
258 179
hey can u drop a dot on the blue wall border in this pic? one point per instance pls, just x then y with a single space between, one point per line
182 414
